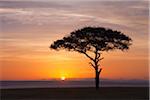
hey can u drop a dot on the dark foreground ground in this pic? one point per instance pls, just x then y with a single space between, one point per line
104 93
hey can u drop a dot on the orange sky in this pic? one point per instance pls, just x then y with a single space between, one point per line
26 36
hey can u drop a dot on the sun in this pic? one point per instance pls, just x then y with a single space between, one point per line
63 78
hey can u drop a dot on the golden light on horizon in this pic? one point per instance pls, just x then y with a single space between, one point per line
63 78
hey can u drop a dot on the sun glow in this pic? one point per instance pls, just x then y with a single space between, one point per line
63 78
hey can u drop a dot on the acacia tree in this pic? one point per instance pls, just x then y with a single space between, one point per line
93 40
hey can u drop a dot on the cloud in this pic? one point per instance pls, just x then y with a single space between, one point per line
131 14
52 19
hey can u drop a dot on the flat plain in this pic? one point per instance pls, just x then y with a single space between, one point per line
104 93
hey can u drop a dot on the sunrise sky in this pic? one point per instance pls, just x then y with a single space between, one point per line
28 27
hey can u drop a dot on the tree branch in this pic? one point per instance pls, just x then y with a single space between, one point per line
88 56
92 65
101 58
84 52
99 54
96 52
99 70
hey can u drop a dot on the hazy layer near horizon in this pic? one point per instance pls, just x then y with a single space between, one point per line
71 83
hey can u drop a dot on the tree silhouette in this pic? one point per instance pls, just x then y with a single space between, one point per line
93 40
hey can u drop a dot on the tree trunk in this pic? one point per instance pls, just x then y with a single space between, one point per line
97 79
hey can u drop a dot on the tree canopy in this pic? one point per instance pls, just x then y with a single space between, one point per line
93 38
